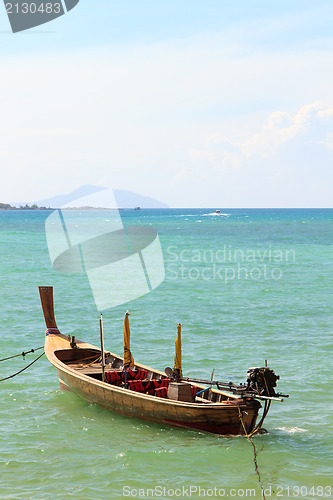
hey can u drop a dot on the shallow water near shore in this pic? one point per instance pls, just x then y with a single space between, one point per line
248 286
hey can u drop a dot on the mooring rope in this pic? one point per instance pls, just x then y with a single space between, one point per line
95 358
22 354
25 368
255 453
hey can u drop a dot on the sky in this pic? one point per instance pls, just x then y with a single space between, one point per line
198 104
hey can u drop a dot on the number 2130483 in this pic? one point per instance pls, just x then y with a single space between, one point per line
304 491
33 8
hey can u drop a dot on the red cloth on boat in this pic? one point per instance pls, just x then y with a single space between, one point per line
113 378
165 382
161 392
137 374
134 383
148 386
143 385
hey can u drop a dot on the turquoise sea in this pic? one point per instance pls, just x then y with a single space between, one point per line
247 285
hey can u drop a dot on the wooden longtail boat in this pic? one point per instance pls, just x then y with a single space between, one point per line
148 392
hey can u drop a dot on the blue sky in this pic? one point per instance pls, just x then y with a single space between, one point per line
217 103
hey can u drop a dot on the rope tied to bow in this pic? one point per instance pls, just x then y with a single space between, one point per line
26 367
23 354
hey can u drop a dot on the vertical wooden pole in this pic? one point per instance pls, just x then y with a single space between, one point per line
102 347
210 389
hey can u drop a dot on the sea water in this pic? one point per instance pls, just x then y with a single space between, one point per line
247 286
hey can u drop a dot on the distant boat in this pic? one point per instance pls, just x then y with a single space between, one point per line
218 212
135 390
137 208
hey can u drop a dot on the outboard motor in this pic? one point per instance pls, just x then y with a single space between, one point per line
262 381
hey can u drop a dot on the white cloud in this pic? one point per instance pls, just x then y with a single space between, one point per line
313 123
282 127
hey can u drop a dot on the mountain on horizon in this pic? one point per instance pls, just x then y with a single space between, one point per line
124 198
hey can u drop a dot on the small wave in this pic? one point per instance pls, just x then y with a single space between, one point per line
218 215
291 430
163 451
203 215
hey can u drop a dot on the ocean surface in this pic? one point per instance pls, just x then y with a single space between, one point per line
247 286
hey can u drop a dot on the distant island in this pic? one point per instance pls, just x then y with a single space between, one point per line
89 197
7 206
